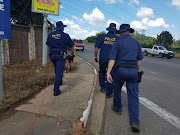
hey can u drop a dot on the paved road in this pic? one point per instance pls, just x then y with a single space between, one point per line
160 88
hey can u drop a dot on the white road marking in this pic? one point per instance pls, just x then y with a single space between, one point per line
159 111
154 73
95 71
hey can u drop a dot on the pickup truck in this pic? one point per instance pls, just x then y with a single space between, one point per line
79 44
159 51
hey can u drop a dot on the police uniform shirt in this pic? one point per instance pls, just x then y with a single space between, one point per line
126 50
59 41
105 43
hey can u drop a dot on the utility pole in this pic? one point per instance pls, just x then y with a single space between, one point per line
1 81
143 31
45 35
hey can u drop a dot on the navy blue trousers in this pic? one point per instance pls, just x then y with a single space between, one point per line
103 80
127 75
59 63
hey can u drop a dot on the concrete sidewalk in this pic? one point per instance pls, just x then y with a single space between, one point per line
57 115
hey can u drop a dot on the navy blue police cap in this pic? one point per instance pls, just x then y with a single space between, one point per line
60 25
125 27
112 27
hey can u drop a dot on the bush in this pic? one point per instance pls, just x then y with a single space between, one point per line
176 50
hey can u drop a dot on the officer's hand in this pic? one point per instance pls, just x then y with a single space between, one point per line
109 78
96 59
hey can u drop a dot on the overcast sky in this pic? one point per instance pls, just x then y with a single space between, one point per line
87 17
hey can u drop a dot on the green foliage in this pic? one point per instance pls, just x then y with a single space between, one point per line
145 41
94 39
176 50
21 13
165 39
176 44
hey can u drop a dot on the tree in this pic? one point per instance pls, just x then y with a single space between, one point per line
165 39
178 42
94 39
21 13
145 41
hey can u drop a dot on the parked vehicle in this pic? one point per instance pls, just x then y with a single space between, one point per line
159 51
79 44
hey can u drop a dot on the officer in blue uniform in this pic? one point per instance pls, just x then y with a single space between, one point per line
105 43
127 56
59 42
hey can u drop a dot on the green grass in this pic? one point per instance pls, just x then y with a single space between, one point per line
178 57
92 44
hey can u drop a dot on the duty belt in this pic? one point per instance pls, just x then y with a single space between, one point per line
116 66
62 54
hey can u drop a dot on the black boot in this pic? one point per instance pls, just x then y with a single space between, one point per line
103 90
135 129
57 93
113 108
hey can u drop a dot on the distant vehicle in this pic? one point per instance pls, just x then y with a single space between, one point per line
79 44
159 51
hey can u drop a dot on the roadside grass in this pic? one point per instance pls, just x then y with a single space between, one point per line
92 44
22 81
178 57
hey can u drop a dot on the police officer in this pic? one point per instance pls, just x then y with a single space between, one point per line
105 43
127 56
59 42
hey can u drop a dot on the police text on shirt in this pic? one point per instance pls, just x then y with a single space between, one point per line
109 41
1 6
57 36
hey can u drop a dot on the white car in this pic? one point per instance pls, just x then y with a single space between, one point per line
159 51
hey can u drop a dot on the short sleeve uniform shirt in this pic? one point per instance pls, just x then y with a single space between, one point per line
126 50
59 41
105 43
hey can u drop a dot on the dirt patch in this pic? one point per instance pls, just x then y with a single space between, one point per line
22 81
177 55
